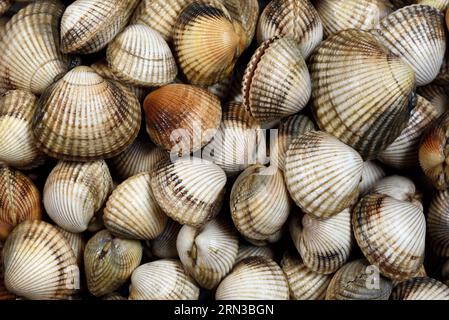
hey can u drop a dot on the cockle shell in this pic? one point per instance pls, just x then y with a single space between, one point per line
438 223
421 288
322 174
371 173
371 115
437 95
399 188
4 6
246 251
76 241
439 4
4 293
162 280
39 263
164 245
246 13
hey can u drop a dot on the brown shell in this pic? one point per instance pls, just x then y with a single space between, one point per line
421 288
437 95
438 223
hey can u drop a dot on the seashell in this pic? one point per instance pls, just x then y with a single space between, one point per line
140 56
263 243
292 18
371 173
443 77
4 294
399 188
304 284
441 5
207 43
164 245
95 119
162 280
322 174
422 288
114 296
403 152
259 203
416 34
132 212
37 245
182 118
358 280
438 96
76 241
391 234
74 192
20 200
88 26
371 115
4 6
246 13
189 191
17 146
438 223
247 251
109 262
208 253
266 95
254 278
32 35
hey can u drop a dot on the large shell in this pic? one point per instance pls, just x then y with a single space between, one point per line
84 117
421 288
164 245
437 95
371 173
276 83
391 234
74 192
109 262
246 251
39 262
162 280
322 174
254 278
20 200
399 188
374 108
76 241
88 26
438 223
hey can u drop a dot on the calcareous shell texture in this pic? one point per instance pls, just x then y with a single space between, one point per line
248 250
438 223
437 95
421 288
371 173
246 13
76 241
399 188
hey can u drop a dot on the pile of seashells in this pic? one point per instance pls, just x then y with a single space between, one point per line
224 149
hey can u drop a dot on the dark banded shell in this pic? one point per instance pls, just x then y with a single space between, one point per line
422 288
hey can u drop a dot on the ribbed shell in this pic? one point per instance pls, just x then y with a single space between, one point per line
399 188
246 13
88 26
162 280
391 234
84 117
189 191
439 4
74 192
31 59
76 241
322 174
178 110
132 211
438 223
362 92
254 278
276 82
39 263
20 200
4 293
259 202
208 253
296 19
164 245
358 280
416 34
247 250
140 56
371 173
424 288
4 6
437 95
109 262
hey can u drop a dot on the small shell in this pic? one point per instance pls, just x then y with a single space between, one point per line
4 6
423 288
254 278
20 200
162 280
358 280
208 253
39 263
391 234
164 245
322 174
74 192
246 13
399 188
246 251
76 241
371 173
276 83
438 96
438 223
109 262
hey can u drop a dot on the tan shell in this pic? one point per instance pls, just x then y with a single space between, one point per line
246 251
88 26
74 192
164 245
439 4
246 13
84 117
39 263
371 115
399 188
322 174
20 200
371 173
162 280
109 262
437 95
438 223
76 241
391 234
422 288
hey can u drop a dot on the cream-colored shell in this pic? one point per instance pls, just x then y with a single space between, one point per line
398 187
438 223
371 173
249 250
76 241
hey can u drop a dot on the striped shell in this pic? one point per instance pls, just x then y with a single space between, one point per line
371 173
438 223
437 95
399 188
371 115
76 241
439 4
4 293
164 245
422 288
246 251
74 192
109 262
322 174
39 263
162 280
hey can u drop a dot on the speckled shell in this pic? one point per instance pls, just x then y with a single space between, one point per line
423 288
437 95
371 173
162 280
164 245
4 6
247 250
254 278
76 241
438 223
371 115
322 174
109 262
399 188
39 263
